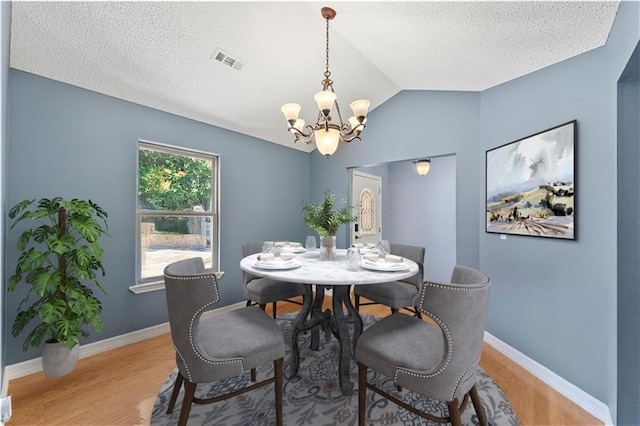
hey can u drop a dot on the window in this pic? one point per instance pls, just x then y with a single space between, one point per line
177 210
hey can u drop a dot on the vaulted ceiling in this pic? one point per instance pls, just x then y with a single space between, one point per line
162 54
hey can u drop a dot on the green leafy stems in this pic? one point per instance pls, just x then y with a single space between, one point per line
59 261
323 218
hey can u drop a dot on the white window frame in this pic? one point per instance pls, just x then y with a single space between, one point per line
144 285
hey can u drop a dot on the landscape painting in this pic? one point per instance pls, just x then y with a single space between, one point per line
531 185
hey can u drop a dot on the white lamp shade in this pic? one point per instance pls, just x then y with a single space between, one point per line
360 107
355 122
299 124
325 100
327 140
422 167
290 111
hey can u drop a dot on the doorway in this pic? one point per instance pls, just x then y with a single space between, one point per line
366 201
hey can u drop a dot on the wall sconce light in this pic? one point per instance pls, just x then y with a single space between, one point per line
422 166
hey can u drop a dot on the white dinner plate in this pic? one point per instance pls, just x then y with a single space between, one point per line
384 266
277 264
291 249
365 250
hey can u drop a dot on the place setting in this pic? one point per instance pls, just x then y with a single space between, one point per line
289 247
272 257
365 247
383 262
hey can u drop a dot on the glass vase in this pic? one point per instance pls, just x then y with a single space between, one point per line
328 247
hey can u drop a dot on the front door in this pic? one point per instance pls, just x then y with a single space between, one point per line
366 200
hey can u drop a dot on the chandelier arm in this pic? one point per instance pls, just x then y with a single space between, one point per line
349 138
305 134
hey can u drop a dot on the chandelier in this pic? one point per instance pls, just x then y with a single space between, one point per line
325 133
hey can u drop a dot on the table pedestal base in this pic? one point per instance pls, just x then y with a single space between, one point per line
311 317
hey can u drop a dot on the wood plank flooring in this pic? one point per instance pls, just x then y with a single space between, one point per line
119 387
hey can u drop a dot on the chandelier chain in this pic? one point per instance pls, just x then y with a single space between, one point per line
327 73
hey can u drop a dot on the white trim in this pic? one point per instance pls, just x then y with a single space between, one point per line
585 401
159 285
5 383
31 366
147 287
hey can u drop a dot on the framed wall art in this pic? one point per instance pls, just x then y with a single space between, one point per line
530 185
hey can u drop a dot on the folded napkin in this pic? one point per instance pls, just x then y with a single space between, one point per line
287 244
389 258
265 257
361 245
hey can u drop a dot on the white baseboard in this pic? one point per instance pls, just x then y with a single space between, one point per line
587 402
581 398
31 366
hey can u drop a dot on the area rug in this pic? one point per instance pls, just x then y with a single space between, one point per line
314 397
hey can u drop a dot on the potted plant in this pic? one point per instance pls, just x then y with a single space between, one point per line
325 220
59 261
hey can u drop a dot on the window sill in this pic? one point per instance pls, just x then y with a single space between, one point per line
159 285
147 287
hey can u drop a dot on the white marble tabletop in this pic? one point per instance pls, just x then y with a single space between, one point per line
327 272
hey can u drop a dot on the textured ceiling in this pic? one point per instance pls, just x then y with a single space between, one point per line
160 54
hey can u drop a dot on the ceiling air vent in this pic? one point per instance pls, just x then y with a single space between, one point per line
227 59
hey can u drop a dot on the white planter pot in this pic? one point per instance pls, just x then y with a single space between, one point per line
58 360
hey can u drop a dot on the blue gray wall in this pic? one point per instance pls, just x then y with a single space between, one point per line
422 213
555 300
72 142
5 27
629 243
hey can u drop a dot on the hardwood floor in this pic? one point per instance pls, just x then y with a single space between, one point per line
119 387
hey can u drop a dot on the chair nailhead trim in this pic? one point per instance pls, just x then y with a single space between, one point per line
449 352
195 317
184 362
464 373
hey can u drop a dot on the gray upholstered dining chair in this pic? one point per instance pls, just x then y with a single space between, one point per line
260 291
437 360
226 345
397 295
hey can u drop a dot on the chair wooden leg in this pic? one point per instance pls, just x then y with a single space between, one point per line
253 374
394 310
362 394
263 306
273 305
477 404
417 312
248 302
176 390
189 392
454 413
277 371
356 299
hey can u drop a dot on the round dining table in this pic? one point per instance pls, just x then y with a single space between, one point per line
328 274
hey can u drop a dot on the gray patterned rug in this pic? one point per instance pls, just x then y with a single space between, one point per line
314 397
